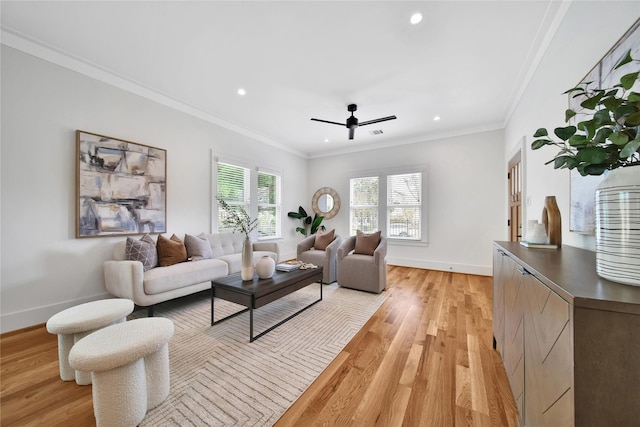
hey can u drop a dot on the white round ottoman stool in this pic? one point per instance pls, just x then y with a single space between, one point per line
129 365
77 322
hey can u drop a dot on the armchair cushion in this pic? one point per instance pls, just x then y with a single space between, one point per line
363 272
327 257
366 244
323 240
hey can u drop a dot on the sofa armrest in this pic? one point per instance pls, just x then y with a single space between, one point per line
305 244
346 247
332 248
381 252
268 246
124 279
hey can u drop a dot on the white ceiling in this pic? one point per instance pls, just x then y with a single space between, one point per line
467 61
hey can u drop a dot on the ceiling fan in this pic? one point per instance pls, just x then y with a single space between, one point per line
352 122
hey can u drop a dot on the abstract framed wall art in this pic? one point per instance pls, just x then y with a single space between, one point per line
120 187
603 75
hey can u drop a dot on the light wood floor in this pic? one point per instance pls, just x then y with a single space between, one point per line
424 359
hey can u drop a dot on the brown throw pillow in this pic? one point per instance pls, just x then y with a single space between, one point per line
197 247
171 251
143 250
323 240
366 244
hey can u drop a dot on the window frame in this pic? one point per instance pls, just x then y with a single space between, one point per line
390 206
277 205
383 203
352 207
251 195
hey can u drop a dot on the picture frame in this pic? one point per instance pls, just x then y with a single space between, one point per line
602 75
120 187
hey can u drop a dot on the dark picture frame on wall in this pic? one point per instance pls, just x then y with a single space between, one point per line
603 75
120 187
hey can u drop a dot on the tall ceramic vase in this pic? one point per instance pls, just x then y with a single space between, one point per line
246 268
618 226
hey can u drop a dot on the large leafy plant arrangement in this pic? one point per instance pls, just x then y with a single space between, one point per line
310 225
609 137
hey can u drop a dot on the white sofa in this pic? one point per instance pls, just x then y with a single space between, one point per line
127 279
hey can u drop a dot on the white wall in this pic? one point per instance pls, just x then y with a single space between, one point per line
44 267
467 184
588 31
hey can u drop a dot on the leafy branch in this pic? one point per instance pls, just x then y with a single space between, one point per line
237 218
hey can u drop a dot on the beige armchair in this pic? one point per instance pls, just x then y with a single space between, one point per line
309 251
360 271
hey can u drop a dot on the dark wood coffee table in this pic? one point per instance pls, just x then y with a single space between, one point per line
259 292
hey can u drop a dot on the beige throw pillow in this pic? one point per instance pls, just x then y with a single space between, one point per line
171 251
323 240
197 247
366 244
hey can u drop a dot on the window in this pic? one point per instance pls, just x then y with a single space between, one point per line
268 205
236 185
399 215
364 204
404 205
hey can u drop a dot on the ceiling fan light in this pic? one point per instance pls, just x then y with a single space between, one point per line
416 18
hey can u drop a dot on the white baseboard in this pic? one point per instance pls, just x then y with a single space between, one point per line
442 266
37 315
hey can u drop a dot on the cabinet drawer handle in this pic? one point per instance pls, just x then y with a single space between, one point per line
523 271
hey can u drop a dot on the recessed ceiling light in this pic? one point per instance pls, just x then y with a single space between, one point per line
436 118
326 140
242 92
416 18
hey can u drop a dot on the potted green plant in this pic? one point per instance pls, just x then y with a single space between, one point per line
607 140
310 225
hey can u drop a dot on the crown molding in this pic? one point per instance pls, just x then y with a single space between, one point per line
63 59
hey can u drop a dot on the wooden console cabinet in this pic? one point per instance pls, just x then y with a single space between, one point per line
569 340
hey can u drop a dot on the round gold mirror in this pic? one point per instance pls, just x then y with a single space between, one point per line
326 202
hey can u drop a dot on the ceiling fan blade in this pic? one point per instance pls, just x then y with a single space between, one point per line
352 131
327 121
382 119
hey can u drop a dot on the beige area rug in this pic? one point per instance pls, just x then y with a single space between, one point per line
218 378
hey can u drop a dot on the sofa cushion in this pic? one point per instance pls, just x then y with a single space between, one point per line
198 248
366 244
323 240
164 279
234 262
225 243
143 250
171 251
